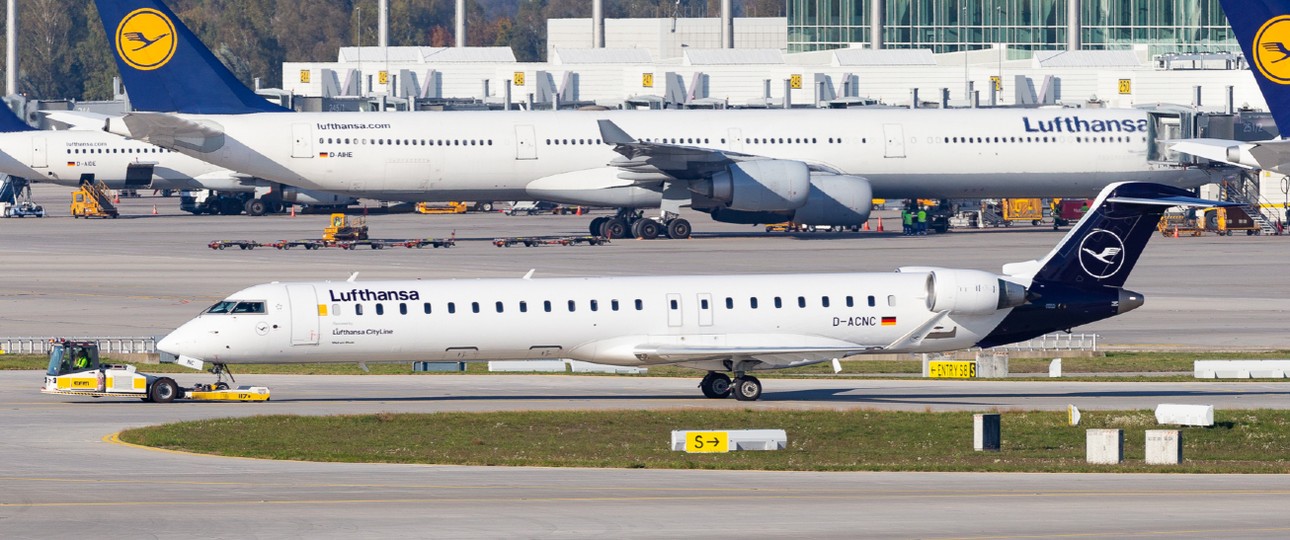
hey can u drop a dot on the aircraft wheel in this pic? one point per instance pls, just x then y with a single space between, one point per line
221 385
747 388
255 207
678 229
597 225
164 390
645 229
715 385
614 228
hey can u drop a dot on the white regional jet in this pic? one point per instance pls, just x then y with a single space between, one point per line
721 324
76 156
818 167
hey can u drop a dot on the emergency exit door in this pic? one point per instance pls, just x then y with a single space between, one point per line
302 142
894 136
303 305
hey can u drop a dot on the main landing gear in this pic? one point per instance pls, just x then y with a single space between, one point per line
629 222
717 385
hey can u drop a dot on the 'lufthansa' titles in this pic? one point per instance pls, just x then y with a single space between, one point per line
368 295
1075 124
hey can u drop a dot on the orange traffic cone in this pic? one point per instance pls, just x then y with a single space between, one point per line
1175 231
879 224
578 212
116 198
154 209
866 225
293 210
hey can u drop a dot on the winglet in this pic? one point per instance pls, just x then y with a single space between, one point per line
612 134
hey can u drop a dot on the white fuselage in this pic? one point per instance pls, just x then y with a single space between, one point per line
66 157
620 321
507 155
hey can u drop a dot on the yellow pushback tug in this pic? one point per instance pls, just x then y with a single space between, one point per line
75 370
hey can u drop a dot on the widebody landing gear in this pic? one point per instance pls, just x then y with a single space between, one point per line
718 385
628 222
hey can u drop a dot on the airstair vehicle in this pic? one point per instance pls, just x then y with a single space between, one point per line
93 200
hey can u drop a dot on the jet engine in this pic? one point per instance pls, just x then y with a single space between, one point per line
760 185
970 292
836 200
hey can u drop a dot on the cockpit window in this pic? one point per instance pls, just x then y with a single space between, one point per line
222 307
249 307
236 307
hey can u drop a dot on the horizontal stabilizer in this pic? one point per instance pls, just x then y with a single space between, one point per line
81 120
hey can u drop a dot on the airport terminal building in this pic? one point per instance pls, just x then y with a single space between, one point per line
1164 26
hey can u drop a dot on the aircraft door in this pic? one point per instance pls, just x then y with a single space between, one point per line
525 143
302 141
894 135
736 140
674 318
39 152
302 301
705 309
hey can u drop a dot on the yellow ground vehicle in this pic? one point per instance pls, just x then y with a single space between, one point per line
1222 221
75 370
1031 210
342 229
453 207
92 200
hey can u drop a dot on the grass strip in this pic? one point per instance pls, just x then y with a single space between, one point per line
1111 362
1256 441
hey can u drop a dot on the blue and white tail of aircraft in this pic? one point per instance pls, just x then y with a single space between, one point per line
166 68
1082 279
10 123
1262 27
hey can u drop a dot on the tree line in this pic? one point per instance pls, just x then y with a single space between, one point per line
64 53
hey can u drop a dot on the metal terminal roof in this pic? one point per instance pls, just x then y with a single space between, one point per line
427 55
718 57
601 56
884 57
1090 59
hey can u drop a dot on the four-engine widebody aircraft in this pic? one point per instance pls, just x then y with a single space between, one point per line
721 324
813 166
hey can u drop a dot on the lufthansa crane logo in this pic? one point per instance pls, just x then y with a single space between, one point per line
1272 49
1101 253
145 39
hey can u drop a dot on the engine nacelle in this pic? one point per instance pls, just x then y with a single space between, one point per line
760 186
969 292
836 200
297 195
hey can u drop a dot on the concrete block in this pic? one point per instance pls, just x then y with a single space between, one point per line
1240 369
737 439
578 366
1185 415
986 434
1164 447
1104 446
528 366
992 365
1055 368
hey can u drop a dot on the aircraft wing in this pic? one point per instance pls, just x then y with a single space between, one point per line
1267 155
645 161
81 120
777 356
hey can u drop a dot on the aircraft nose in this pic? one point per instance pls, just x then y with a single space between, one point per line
179 342
1130 301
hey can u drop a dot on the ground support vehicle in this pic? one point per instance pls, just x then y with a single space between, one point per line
241 244
342 228
92 200
450 208
533 241
75 370
21 209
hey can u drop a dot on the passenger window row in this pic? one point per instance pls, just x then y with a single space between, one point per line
989 140
500 307
566 142
152 150
802 302
407 142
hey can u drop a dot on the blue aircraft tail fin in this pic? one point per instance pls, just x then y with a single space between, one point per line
10 122
1263 29
165 67
1103 247
1082 279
